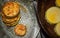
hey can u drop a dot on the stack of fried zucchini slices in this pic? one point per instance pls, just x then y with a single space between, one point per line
10 13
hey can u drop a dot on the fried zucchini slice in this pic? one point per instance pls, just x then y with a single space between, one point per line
11 9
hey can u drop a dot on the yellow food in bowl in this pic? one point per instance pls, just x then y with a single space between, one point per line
58 3
52 15
57 29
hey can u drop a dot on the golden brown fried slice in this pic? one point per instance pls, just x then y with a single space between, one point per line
9 20
13 23
11 9
20 30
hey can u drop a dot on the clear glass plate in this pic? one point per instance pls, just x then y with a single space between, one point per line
28 18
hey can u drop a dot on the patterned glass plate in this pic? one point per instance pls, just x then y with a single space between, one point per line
28 18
